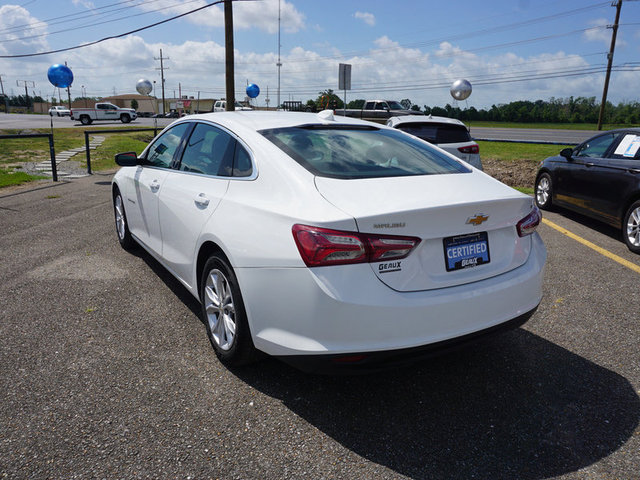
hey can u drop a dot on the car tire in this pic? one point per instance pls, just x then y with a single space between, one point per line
125 118
631 227
85 120
544 191
224 314
122 226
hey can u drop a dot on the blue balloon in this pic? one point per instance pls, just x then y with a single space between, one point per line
60 76
253 90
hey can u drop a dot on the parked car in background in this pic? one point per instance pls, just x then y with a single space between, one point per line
599 178
376 109
221 106
329 242
59 111
449 134
103 111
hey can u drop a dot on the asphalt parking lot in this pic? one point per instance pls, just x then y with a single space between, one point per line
107 372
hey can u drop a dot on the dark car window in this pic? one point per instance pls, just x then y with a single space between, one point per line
597 147
437 132
242 162
208 151
628 148
351 152
160 153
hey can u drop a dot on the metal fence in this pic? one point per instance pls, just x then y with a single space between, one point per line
123 130
54 171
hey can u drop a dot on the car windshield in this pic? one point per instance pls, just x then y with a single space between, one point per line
437 132
360 152
393 105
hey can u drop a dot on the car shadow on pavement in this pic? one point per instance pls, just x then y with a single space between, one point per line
511 406
600 227
514 406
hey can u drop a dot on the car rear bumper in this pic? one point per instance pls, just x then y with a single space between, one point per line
347 310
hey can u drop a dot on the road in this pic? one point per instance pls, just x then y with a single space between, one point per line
532 134
22 121
107 372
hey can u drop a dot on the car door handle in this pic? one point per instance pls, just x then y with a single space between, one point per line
154 186
634 170
201 200
589 164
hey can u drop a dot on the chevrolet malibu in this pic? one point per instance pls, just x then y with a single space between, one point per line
329 241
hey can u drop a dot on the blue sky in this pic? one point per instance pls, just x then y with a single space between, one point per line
398 49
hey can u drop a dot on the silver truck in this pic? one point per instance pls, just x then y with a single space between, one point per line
377 109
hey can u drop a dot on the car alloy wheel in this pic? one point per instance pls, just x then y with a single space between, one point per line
221 312
632 228
543 191
122 228
224 314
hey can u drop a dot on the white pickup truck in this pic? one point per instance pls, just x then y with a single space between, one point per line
103 111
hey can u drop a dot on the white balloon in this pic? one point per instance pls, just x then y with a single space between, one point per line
144 86
461 89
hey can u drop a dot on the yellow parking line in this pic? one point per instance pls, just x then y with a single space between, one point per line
600 250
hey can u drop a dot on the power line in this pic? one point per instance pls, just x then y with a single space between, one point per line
120 35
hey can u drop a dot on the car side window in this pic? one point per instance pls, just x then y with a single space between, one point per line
161 152
242 162
597 147
209 151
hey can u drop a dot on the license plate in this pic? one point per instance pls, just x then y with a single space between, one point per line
466 251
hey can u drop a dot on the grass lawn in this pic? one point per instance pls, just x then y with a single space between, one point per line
15 152
507 151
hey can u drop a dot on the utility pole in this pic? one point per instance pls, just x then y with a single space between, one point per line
610 61
279 64
4 97
1 86
26 92
162 77
228 45
68 91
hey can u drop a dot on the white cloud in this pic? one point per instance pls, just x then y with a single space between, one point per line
12 21
262 15
366 17
600 33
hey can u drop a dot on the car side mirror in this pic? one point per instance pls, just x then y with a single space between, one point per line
128 159
567 153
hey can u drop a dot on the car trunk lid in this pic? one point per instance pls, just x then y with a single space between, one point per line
454 215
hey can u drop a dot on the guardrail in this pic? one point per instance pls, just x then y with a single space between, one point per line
54 171
122 130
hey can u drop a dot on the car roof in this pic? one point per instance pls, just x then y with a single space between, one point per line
394 121
262 120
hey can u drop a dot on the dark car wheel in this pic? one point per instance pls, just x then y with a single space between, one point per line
224 314
85 120
631 227
544 189
125 118
122 227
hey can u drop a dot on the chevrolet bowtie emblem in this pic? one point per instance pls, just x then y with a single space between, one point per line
477 220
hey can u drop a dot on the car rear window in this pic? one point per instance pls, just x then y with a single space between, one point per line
437 132
352 152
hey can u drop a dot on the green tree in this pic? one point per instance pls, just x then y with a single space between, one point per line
134 104
406 103
328 99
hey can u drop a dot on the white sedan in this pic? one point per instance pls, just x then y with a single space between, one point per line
329 242
59 111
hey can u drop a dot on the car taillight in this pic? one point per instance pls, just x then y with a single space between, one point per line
528 224
469 149
322 246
